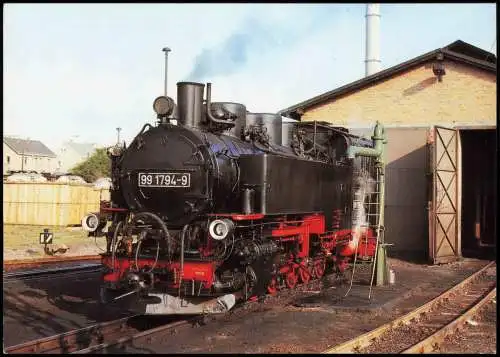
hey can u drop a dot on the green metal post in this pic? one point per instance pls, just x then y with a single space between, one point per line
378 153
381 263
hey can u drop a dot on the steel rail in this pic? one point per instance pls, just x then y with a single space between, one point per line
62 342
430 343
365 339
122 341
46 273
52 260
97 337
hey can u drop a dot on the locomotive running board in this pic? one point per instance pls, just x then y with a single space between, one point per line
166 304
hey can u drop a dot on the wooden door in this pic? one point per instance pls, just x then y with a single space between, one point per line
443 210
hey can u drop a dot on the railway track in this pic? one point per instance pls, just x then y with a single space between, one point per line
108 337
423 329
44 273
426 327
100 337
29 263
49 267
112 336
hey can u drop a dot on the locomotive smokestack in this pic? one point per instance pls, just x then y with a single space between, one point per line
190 104
372 59
166 50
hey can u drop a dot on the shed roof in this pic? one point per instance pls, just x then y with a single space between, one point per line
28 147
459 51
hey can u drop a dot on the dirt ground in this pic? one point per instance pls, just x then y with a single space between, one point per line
22 242
281 324
282 327
39 308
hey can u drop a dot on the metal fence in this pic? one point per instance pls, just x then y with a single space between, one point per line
49 204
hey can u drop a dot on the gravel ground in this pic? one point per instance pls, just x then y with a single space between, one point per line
479 336
276 325
402 337
279 326
40 308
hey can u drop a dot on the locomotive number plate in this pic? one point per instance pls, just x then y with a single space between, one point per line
164 179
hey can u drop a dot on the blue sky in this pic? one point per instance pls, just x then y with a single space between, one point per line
82 70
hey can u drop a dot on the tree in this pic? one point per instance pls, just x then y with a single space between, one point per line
96 166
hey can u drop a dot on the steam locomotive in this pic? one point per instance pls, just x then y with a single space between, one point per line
215 204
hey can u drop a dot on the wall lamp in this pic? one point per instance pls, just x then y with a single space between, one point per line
438 67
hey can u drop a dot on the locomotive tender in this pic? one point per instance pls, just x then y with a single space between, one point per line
227 204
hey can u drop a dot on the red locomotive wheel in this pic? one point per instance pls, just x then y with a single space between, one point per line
319 268
291 279
272 288
304 274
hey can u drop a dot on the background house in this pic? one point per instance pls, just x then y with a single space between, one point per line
439 111
71 154
27 155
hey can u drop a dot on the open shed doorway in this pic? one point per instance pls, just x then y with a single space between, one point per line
479 193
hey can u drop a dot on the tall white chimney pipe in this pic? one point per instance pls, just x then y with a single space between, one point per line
372 59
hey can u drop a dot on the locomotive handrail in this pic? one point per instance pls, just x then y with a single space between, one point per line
163 227
135 138
261 147
209 111
319 125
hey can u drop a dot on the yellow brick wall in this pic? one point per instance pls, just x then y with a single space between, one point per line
466 96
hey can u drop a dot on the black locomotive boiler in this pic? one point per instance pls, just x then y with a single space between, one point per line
225 205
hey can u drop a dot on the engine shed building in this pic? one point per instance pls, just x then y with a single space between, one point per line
439 111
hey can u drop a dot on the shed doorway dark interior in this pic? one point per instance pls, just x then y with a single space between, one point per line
479 193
